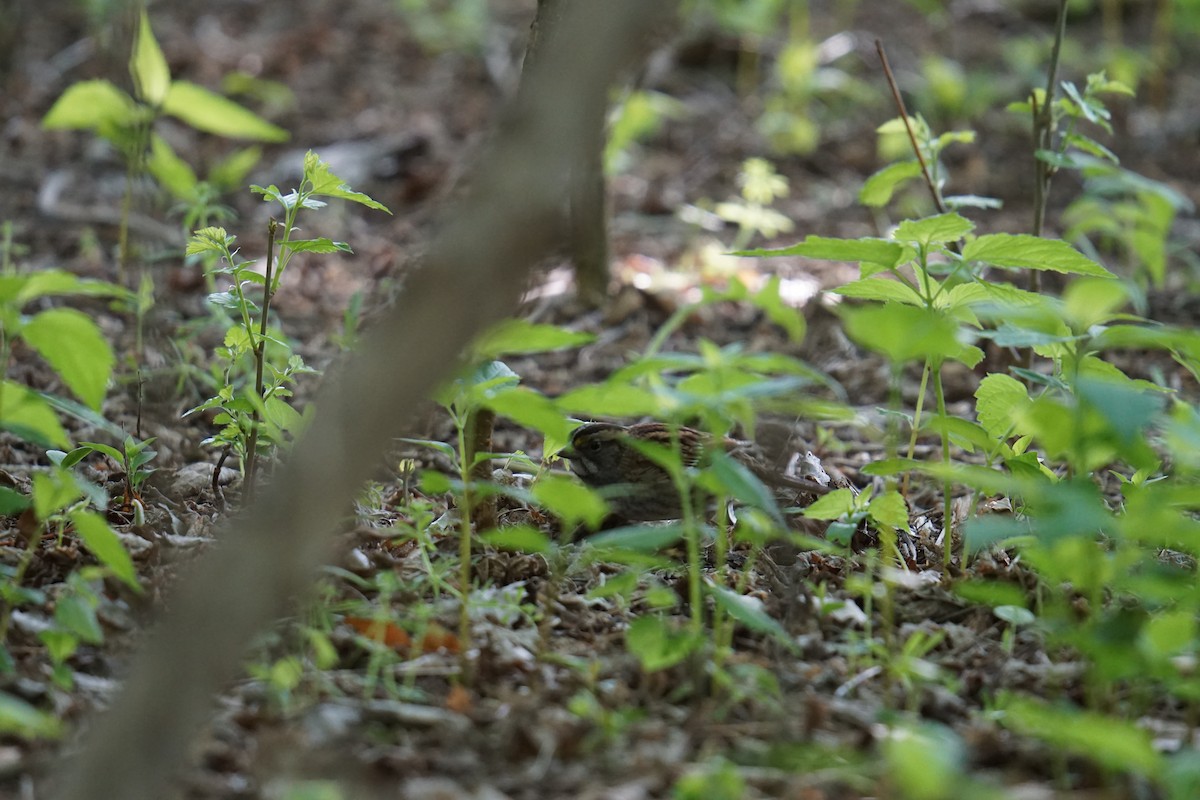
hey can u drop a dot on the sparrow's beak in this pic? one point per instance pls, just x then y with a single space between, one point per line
568 453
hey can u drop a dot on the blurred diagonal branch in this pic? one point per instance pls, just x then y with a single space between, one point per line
473 277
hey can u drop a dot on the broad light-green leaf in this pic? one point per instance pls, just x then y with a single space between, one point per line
1022 251
89 105
903 333
212 113
148 66
72 343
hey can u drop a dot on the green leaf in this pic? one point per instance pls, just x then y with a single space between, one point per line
1127 408
656 645
521 538
52 492
570 501
639 538
1022 251
737 481
772 304
72 343
996 400
881 289
321 245
520 336
21 289
835 505
116 455
104 544
934 230
621 400
874 251
1092 301
210 240
231 171
326 184
172 172
1107 741
991 593
878 189
889 509
749 611
926 761
91 105
29 416
903 333
12 502
148 66
77 616
532 410
18 718
210 112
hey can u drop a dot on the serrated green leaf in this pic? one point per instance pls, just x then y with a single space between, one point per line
934 230
997 400
72 343
1022 251
321 245
104 544
881 289
903 333
836 504
210 112
326 184
889 509
148 66
875 251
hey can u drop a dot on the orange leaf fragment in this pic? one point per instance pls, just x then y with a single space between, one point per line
459 699
436 637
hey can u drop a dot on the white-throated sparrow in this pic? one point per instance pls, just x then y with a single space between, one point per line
640 490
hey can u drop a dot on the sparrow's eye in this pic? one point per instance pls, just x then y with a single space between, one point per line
595 445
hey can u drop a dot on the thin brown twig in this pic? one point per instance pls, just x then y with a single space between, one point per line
912 136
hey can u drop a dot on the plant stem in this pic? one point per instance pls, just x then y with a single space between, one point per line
947 516
464 552
912 136
260 348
